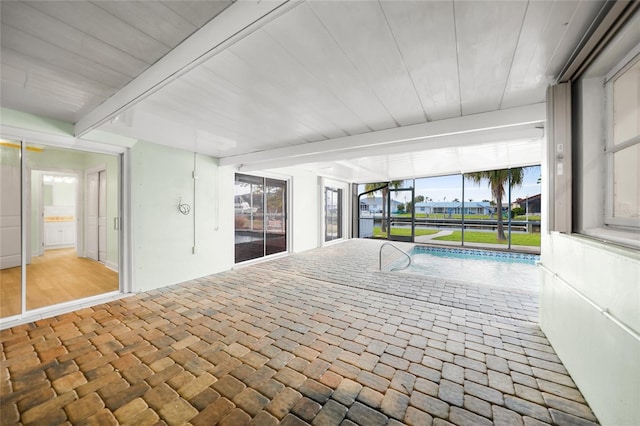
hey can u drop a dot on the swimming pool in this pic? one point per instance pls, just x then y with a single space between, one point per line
505 269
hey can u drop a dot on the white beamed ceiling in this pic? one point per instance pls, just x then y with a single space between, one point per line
311 72
62 59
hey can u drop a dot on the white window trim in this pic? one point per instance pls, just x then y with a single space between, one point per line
610 149
346 209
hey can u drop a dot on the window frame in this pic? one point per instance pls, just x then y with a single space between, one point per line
264 177
338 194
610 148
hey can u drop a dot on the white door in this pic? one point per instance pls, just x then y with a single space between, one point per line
91 239
102 216
10 248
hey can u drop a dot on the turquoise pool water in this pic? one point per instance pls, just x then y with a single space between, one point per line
505 269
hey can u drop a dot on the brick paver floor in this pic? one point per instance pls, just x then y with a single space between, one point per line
318 338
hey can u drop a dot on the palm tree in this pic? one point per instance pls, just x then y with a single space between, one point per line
395 184
497 179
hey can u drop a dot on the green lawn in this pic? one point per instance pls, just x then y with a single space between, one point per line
531 217
490 238
405 232
466 216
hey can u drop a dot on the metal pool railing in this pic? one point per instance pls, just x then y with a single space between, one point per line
397 248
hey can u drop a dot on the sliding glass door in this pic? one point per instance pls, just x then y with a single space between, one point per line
59 220
10 229
260 217
332 213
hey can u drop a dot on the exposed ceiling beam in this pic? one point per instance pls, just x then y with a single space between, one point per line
509 124
231 25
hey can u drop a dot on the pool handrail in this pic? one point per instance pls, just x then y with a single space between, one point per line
397 248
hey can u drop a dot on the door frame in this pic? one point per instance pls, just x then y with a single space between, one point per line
288 212
123 152
344 220
40 206
390 235
93 170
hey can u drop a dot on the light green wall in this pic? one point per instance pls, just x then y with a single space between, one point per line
24 120
163 237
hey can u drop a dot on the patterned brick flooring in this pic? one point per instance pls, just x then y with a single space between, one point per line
318 338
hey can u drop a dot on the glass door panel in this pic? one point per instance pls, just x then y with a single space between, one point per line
275 216
10 229
401 214
332 214
438 210
249 217
72 227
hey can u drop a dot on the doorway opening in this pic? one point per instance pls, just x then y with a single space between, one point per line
52 254
385 210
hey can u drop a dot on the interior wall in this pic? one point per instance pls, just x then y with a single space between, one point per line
602 358
36 223
305 210
163 238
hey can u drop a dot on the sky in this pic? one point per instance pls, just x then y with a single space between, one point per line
448 188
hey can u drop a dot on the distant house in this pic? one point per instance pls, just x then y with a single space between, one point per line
454 207
374 205
532 205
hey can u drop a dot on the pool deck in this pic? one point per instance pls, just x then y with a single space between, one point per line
321 337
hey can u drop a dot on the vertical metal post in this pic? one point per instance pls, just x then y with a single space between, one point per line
23 227
509 208
462 223
388 210
413 211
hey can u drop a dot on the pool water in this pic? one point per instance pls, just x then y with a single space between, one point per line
504 269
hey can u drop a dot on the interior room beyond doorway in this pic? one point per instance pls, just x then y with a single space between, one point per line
58 276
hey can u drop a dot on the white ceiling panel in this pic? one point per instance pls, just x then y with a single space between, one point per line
296 88
426 37
539 55
488 34
241 80
79 46
152 18
67 38
59 58
197 12
255 92
307 40
91 19
39 103
373 50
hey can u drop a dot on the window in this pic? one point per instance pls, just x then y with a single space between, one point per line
623 147
603 172
260 217
332 214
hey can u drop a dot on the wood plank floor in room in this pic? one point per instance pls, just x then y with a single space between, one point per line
58 276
